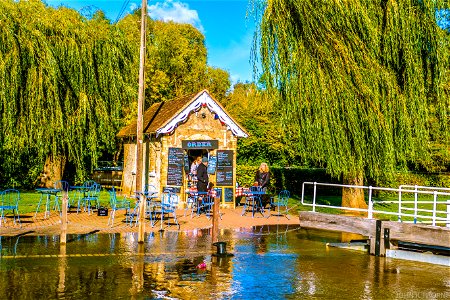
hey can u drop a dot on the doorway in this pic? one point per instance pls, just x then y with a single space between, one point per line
193 154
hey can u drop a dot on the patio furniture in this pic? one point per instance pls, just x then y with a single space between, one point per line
253 201
169 204
78 194
116 204
280 201
191 199
91 194
198 202
46 194
150 195
9 202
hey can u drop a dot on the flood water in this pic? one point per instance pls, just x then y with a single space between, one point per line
269 263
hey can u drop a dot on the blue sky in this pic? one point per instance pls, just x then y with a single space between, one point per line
227 30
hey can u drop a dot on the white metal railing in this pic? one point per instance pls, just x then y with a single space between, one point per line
418 213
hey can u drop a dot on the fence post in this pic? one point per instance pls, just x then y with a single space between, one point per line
399 217
448 213
370 212
314 197
415 204
303 193
434 208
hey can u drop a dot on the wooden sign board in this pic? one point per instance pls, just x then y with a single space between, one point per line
224 176
175 167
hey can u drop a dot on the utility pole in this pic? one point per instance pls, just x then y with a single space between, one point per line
140 133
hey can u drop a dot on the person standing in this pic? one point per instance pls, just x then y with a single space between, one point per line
202 175
194 166
262 179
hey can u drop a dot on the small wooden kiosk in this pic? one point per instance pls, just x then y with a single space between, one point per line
176 132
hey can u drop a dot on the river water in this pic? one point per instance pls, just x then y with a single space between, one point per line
278 262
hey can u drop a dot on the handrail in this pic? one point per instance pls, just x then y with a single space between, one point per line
417 212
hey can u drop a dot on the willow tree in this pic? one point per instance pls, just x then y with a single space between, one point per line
64 81
354 81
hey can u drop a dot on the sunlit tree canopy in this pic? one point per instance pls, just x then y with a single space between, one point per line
357 82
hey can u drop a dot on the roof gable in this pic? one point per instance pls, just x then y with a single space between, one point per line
164 117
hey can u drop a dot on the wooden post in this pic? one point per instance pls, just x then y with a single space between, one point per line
62 269
378 238
63 238
140 120
215 220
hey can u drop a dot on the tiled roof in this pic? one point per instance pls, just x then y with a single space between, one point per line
157 115
162 113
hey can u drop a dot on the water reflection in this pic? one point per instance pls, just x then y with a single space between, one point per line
268 262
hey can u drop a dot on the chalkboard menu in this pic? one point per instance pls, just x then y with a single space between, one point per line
224 176
228 195
175 167
186 163
212 163
224 158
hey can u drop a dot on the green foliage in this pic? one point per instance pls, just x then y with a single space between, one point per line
292 179
64 80
253 109
68 83
281 178
421 179
361 85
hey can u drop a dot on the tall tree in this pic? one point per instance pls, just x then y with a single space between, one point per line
64 80
253 109
176 60
67 84
355 80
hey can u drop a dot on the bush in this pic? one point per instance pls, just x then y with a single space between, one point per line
290 179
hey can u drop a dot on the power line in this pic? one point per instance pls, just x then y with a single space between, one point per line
122 9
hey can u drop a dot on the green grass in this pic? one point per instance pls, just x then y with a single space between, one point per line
29 201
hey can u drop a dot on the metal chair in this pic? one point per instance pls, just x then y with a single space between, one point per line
91 195
198 200
117 205
190 200
169 206
150 194
280 201
208 203
10 202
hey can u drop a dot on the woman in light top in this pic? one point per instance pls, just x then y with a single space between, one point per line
194 166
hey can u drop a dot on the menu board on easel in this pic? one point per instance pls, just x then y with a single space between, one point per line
175 167
228 195
224 176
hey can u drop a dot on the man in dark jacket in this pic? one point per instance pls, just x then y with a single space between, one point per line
202 175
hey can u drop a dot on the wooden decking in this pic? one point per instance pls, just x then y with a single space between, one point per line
415 233
83 223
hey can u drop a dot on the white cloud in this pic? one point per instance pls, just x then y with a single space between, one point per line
175 11
133 6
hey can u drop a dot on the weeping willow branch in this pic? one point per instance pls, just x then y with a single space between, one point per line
356 81
64 82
